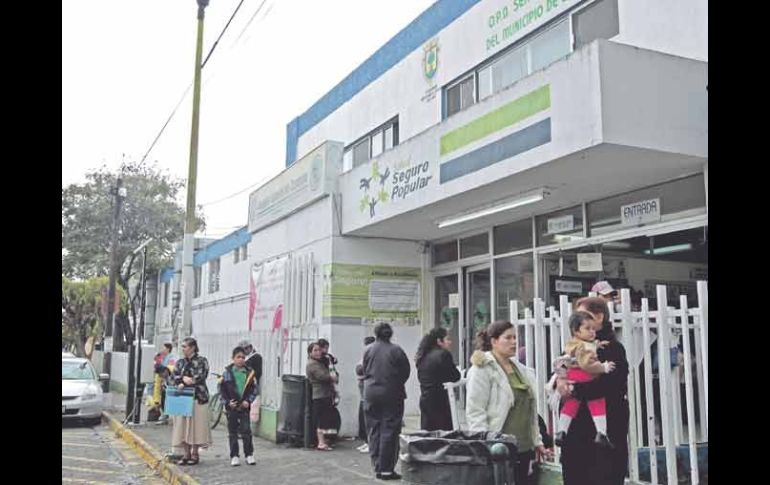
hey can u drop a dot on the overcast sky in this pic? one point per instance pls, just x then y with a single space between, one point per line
126 64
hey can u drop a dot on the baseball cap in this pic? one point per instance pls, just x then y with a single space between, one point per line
603 288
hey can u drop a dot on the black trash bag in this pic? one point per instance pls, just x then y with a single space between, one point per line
452 457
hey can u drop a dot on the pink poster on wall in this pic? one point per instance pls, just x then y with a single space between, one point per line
266 295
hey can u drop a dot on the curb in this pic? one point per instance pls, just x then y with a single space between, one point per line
169 472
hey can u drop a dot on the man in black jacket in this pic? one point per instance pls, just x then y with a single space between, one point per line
386 370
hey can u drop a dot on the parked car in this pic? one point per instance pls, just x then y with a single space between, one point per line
81 391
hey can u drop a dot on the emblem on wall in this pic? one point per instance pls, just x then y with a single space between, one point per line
430 59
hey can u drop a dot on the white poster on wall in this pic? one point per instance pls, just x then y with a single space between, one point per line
589 262
266 295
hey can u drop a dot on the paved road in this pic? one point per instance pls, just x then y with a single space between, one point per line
92 454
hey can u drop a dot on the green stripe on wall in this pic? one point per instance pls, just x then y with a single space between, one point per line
504 116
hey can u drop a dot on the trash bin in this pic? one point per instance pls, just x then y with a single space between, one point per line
457 458
292 413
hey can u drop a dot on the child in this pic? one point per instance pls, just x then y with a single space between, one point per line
237 393
582 365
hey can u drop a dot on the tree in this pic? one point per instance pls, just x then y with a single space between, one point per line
151 209
82 309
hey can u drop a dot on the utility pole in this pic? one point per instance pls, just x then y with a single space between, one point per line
192 175
119 193
143 304
133 399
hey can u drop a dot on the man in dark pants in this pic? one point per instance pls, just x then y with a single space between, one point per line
386 370
362 433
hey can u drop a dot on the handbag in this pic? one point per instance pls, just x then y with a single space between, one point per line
179 402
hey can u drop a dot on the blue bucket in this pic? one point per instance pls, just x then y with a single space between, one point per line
179 402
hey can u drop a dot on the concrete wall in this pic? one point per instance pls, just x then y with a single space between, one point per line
346 341
679 28
651 100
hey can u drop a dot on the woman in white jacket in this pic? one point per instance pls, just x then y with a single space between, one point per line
501 395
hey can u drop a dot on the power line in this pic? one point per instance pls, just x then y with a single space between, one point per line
216 42
184 95
262 180
250 20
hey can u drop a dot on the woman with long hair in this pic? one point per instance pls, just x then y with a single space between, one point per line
501 395
192 432
434 368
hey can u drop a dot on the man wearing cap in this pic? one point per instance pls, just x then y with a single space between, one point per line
605 291
253 360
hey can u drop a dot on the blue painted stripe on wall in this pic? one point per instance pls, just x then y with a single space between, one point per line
419 31
167 274
222 246
507 147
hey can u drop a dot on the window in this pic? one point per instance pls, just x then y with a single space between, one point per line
361 152
503 72
240 254
597 21
461 95
214 275
561 226
474 245
197 278
165 294
550 46
377 144
513 237
679 198
538 52
514 280
371 145
445 252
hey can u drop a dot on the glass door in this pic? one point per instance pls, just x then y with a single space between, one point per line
478 306
447 309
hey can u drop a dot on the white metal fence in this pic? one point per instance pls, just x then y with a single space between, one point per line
283 352
667 351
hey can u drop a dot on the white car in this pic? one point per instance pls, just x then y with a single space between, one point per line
81 390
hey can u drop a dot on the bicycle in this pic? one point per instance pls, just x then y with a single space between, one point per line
215 404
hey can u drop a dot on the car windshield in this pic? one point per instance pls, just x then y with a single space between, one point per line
74 370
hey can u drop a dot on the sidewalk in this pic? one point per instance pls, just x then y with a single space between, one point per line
276 464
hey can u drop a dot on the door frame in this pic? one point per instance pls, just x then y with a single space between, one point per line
466 324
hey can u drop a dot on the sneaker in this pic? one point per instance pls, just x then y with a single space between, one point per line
363 448
250 460
389 476
235 461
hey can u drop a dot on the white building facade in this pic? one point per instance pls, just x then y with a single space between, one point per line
492 151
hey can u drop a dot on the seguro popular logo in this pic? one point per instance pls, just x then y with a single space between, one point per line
404 180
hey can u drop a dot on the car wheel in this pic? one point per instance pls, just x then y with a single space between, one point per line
94 421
